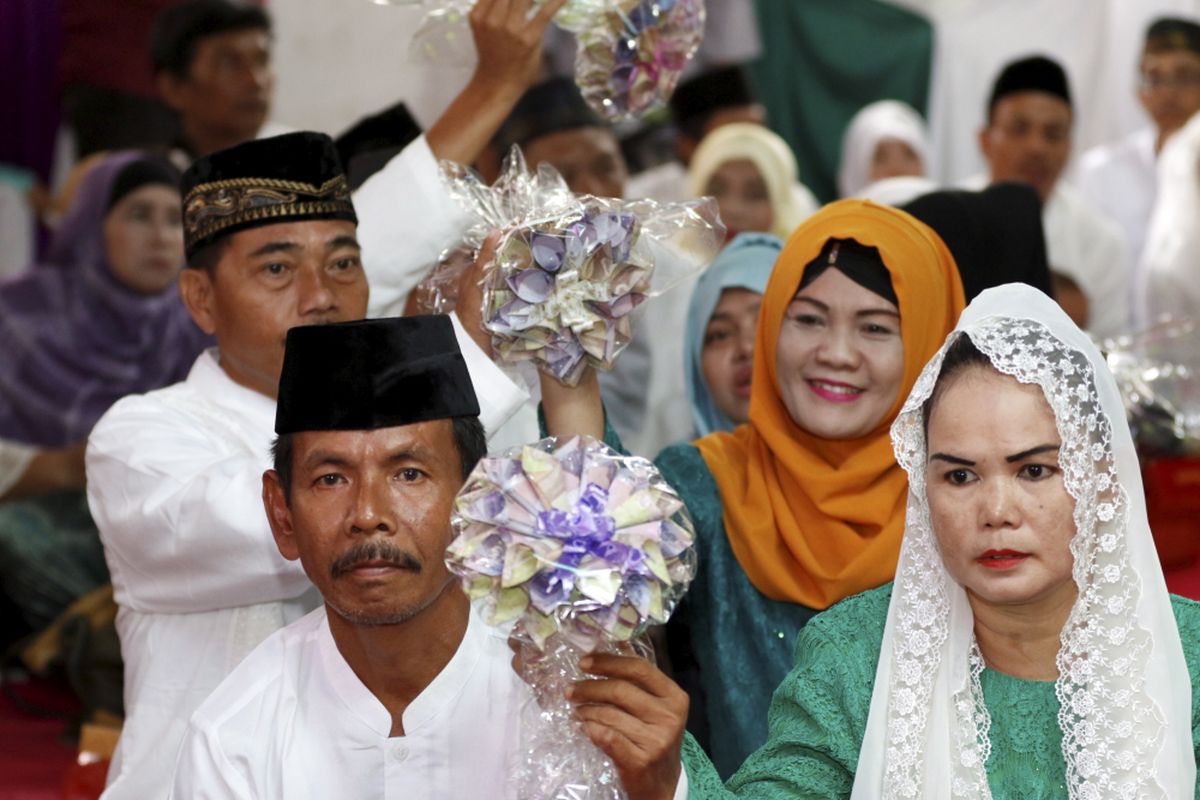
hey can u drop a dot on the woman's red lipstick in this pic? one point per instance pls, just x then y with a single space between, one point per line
1001 559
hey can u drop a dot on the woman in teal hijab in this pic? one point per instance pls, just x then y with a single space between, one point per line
721 321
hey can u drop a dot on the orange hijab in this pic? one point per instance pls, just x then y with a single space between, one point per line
815 520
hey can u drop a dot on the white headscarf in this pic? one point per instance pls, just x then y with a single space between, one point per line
791 201
886 119
1123 684
899 190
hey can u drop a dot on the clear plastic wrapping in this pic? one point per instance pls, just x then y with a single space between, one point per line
580 550
1158 371
568 269
629 53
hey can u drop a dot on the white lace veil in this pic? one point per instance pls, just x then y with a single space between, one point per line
1123 687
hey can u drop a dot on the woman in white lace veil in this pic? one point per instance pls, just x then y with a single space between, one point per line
1123 685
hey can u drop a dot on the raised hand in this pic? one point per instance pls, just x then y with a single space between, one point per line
509 43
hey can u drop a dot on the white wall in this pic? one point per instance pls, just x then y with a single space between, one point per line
338 60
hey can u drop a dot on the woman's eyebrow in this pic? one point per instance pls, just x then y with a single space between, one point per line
1033 451
952 459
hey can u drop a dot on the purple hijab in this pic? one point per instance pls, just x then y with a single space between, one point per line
75 340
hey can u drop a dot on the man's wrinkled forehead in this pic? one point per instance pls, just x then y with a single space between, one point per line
425 442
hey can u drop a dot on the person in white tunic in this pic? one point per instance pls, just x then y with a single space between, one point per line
1120 178
1169 275
1027 138
394 688
198 581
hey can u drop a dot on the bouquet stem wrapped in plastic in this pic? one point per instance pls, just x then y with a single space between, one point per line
580 550
569 269
629 53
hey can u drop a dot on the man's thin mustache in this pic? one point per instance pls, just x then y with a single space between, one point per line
363 552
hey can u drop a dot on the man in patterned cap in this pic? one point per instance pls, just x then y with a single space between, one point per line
273 241
1120 178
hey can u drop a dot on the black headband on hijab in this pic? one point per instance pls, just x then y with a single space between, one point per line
858 262
137 174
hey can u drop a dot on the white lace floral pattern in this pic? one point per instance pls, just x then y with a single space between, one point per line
1112 729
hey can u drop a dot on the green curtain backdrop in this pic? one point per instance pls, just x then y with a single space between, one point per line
823 60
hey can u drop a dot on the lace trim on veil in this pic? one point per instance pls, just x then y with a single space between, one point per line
1112 728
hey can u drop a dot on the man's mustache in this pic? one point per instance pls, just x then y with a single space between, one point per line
373 551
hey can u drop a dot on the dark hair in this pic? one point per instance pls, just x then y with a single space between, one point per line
179 28
208 256
1033 74
469 440
696 100
960 356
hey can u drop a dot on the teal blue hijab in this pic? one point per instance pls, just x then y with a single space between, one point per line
745 263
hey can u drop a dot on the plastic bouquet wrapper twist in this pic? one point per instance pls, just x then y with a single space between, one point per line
580 550
568 270
629 53
1158 372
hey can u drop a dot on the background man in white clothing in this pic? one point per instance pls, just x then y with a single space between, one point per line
1121 178
1027 138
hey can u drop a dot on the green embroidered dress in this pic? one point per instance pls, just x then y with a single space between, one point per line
819 715
742 641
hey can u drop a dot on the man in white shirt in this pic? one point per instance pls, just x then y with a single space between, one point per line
1027 138
1120 178
271 244
393 689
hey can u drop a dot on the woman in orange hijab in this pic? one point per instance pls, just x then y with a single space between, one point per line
804 505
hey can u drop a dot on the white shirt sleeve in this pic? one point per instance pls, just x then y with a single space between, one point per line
1109 308
204 773
499 395
405 220
181 516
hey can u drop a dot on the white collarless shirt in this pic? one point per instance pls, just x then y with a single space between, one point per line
199 582
1120 180
294 722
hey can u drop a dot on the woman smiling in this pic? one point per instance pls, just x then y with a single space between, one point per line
803 505
1028 647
